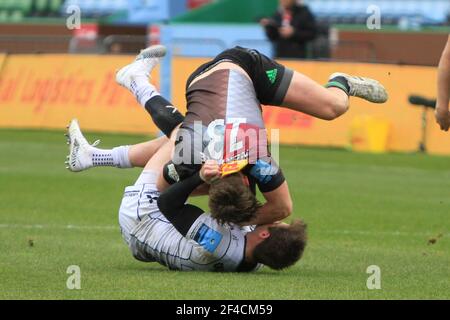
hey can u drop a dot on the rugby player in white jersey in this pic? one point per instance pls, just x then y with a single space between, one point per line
165 229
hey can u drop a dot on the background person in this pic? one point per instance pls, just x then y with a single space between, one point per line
290 29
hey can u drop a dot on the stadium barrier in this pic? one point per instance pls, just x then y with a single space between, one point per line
46 91
2 59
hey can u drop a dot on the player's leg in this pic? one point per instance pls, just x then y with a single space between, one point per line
135 77
83 155
140 154
331 101
139 201
307 96
280 86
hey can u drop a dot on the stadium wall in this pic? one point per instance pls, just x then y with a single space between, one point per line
2 59
46 91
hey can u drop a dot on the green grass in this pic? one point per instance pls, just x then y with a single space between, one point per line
361 209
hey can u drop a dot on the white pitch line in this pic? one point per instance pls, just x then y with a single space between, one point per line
66 227
106 227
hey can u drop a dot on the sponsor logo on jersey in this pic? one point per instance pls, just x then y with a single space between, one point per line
208 238
263 171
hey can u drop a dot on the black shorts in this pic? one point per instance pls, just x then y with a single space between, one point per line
270 79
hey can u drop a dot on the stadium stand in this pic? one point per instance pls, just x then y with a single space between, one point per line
427 12
393 12
129 11
123 25
120 11
19 10
99 8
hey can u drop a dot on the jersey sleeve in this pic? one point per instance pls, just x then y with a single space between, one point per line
172 203
266 173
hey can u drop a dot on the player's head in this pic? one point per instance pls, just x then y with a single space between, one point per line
279 245
231 200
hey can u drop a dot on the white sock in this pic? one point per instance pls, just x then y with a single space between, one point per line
117 157
102 158
120 156
143 90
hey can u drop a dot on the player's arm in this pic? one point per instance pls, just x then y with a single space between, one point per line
173 206
278 206
442 110
272 184
172 202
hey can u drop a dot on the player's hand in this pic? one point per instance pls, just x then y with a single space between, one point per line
443 117
210 171
264 22
267 22
286 32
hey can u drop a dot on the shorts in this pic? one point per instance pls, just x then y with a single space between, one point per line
138 203
270 79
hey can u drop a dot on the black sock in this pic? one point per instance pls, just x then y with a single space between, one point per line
339 82
164 115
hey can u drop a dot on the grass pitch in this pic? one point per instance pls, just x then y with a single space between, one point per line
386 210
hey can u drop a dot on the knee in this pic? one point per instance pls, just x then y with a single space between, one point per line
335 109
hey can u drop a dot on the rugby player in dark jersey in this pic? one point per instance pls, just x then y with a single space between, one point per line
224 121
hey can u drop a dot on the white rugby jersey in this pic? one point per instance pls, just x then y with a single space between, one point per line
208 246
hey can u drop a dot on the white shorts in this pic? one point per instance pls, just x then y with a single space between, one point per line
139 202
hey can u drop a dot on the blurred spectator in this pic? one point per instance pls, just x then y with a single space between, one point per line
115 48
290 29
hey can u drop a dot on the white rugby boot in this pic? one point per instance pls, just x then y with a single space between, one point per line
80 151
365 88
141 67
